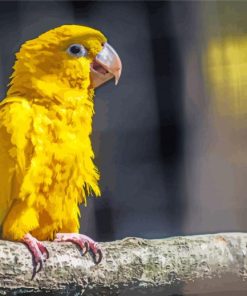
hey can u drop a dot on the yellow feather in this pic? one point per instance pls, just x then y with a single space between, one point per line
46 156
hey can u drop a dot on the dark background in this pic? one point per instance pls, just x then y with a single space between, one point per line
165 147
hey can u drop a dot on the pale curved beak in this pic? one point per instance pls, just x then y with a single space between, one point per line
106 65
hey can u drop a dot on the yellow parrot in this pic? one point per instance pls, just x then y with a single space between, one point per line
46 156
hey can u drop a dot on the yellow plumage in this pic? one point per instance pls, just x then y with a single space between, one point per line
46 157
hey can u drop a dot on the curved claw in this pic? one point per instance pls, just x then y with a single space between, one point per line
99 255
40 265
47 254
37 267
43 250
86 247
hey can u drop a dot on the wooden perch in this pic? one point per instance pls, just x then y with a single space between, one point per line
133 266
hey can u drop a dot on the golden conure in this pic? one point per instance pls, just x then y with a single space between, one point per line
46 156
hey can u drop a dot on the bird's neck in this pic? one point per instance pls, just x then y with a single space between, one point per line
49 90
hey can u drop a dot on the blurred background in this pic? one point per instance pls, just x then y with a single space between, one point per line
170 139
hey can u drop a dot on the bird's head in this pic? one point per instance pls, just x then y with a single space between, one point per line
68 57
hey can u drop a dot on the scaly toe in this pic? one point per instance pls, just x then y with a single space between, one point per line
84 242
38 251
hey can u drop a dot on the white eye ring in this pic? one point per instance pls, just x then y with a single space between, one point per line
77 50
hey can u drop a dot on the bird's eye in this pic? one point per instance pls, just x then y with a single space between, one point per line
77 50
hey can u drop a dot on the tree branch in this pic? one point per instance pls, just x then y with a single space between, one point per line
132 266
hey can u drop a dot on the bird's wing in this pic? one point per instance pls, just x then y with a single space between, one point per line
14 124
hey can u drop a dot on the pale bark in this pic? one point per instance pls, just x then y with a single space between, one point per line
133 266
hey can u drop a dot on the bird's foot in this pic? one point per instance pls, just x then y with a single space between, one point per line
84 242
38 251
